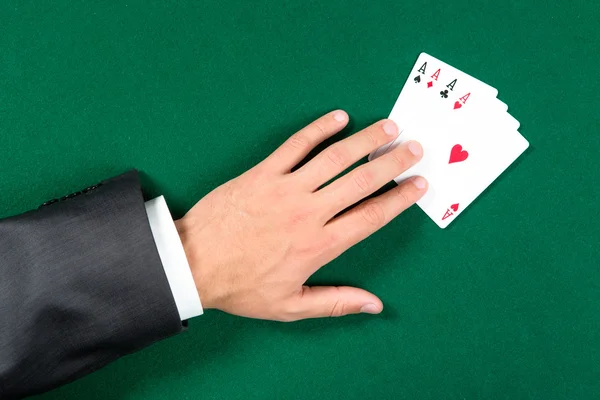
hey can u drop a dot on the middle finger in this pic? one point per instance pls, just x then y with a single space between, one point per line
369 177
341 155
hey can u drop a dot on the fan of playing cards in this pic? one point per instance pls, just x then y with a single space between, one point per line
467 135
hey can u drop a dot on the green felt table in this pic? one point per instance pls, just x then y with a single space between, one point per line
504 304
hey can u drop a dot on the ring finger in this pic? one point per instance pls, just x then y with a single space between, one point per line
341 155
369 177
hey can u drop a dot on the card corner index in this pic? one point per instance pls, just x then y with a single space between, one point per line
422 56
443 224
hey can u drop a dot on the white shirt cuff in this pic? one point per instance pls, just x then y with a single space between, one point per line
173 259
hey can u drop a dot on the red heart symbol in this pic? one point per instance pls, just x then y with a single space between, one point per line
454 207
457 105
457 154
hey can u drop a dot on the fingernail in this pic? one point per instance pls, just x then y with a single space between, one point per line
370 309
339 116
419 182
390 128
415 148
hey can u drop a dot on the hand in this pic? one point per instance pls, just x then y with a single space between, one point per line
253 242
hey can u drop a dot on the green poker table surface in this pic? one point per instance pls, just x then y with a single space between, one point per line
503 304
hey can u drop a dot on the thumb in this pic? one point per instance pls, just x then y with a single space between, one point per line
336 301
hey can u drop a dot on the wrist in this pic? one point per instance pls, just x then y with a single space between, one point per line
185 229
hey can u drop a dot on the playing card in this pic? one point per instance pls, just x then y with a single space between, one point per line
488 111
468 137
461 165
446 86
434 90
469 170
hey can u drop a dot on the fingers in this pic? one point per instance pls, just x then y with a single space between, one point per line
368 178
341 155
334 301
293 150
360 222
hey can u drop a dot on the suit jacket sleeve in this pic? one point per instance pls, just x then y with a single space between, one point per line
81 284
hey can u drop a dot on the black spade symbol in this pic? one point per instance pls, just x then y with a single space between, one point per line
418 79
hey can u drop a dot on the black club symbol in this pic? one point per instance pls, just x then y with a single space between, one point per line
444 94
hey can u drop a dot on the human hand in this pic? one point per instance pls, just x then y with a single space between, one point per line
253 242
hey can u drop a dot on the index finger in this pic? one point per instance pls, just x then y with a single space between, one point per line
293 150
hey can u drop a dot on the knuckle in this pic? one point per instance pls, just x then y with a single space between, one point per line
337 156
338 309
362 180
299 217
309 249
323 245
373 214
371 137
397 157
403 197
291 311
319 128
298 142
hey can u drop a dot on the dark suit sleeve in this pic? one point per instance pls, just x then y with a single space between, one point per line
81 284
